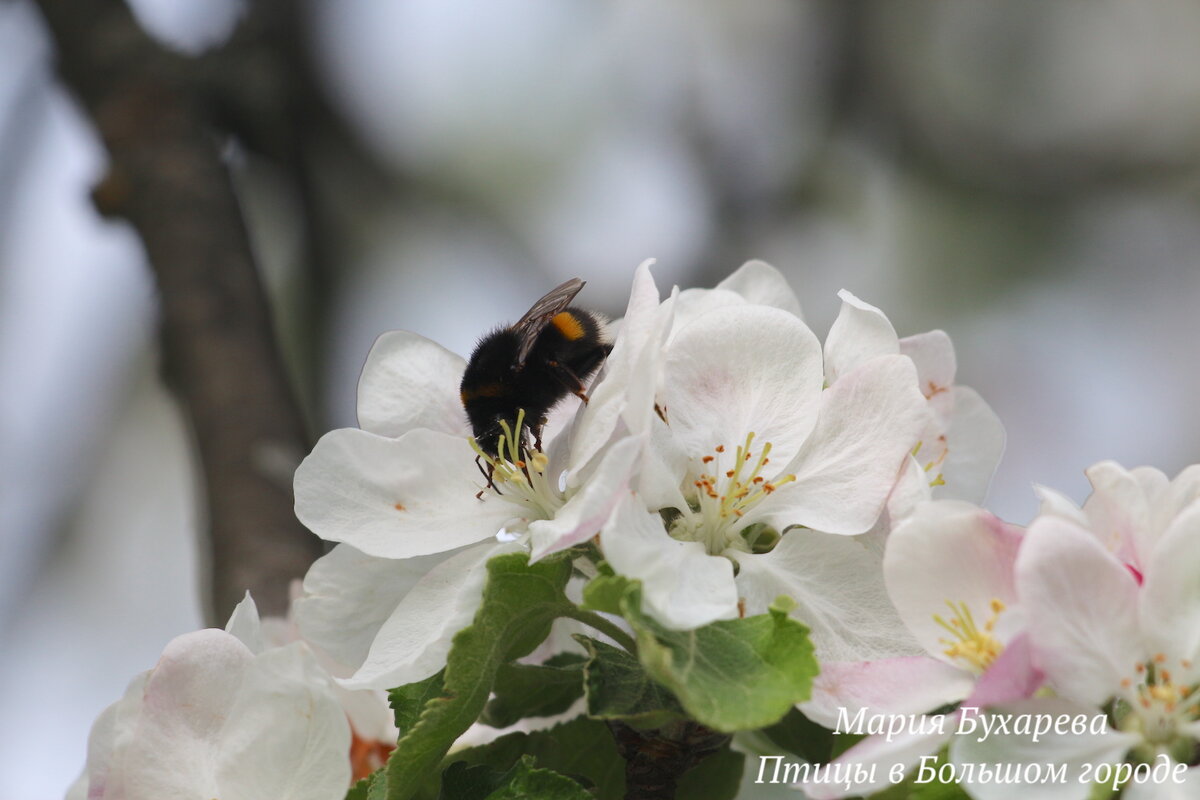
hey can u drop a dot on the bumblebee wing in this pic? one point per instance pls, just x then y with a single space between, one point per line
536 318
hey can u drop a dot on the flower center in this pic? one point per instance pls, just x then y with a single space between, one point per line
521 471
969 645
724 492
1160 705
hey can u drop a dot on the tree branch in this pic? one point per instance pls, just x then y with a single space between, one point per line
167 178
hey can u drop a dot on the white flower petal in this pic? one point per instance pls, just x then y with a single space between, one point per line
246 626
1179 494
396 498
1170 610
860 333
838 587
1083 610
1073 750
216 721
635 358
743 369
949 552
760 283
1119 513
662 470
1188 788
414 641
975 442
104 773
868 423
582 516
411 382
1055 503
348 595
910 492
933 354
908 685
287 736
691 304
682 586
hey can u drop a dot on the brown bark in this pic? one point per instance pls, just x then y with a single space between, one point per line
167 178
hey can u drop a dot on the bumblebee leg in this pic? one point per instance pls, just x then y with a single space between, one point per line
487 475
570 380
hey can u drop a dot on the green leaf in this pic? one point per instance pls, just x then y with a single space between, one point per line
604 593
798 734
462 781
526 782
359 790
522 690
520 601
407 701
618 688
582 749
730 675
717 777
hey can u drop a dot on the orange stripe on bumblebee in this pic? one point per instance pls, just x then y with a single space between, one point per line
486 390
568 325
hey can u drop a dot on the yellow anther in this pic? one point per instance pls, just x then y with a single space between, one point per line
978 648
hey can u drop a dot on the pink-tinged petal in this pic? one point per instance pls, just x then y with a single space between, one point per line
949 553
1170 609
760 283
348 595
838 588
287 736
414 641
860 333
682 586
635 357
397 498
868 423
1188 788
585 513
1082 606
933 353
1012 676
739 370
904 749
908 685
974 444
1019 749
411 382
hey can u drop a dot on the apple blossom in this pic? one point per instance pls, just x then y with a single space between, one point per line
1114 635
949 570
964 439
749 445
222 715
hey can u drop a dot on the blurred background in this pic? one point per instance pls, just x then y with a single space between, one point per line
1022 174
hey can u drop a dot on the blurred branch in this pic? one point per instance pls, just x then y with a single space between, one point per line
167 178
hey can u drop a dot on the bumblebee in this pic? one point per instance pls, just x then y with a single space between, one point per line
530 366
